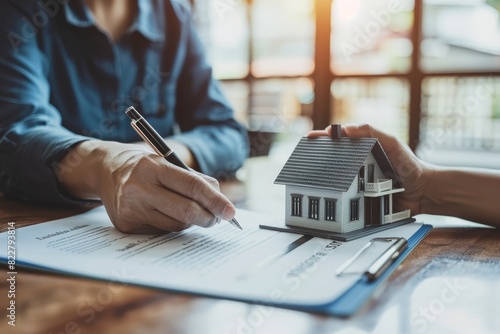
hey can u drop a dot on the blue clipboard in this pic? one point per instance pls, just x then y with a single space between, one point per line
354 298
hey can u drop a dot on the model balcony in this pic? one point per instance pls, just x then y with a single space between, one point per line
397 216
379 185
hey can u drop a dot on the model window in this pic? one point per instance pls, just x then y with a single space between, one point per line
330 208
371 173
297 205
354 209
313 207
361 179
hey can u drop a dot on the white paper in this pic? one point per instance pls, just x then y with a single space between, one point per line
253 264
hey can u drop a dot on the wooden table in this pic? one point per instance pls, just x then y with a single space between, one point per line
449 284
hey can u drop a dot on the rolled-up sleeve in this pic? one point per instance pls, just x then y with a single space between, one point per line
218 142
32 139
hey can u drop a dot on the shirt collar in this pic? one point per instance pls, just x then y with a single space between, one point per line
78 14
148 23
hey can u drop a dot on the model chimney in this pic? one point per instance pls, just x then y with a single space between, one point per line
336 131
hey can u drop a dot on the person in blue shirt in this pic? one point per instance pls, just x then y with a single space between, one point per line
68 71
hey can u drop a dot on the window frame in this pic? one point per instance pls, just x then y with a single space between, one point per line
296 205
354 209
330 209
323 76
313 207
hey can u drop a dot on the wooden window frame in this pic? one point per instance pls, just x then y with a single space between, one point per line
323 76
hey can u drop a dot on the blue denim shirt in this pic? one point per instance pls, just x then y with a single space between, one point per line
62 80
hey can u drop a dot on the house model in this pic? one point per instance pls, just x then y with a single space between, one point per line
339 184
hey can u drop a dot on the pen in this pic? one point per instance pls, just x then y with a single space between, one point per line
158 144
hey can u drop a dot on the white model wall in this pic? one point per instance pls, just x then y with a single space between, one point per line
353 193
304 221
342 223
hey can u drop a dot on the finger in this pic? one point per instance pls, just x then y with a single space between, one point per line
193 186
359 130
400 155
390 143
318 133
212 181
151 221
180 208
321 133
159 221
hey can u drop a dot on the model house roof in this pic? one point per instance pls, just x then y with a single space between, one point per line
332 163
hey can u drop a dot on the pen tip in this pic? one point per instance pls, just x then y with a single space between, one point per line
235 223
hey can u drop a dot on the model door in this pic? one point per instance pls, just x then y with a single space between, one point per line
372 211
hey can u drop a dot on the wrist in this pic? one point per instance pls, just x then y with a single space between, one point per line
78 171
430 197
440 197
85 169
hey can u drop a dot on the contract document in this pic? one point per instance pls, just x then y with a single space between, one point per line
257 265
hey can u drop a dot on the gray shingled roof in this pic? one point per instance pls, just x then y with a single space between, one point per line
330 164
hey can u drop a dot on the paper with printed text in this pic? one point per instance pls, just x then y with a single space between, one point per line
253 264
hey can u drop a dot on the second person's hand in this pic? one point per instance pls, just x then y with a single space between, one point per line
414 174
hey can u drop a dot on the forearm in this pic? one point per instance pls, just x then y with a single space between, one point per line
29 158
465 193
219 150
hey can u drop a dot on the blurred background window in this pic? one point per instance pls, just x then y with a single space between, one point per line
427 71
224 29
460 122
371 37
460 35
283 37
382 102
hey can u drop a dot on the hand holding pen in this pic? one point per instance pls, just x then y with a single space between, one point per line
141 191
158 144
